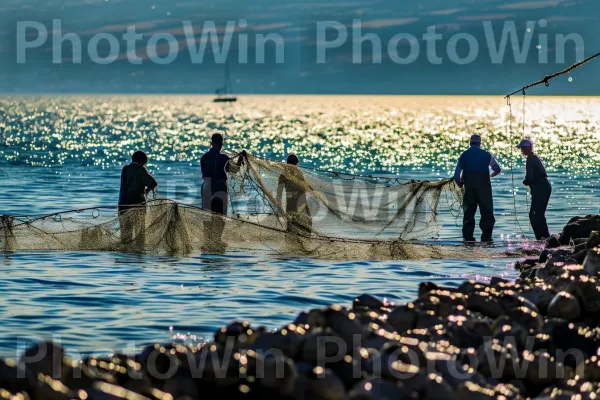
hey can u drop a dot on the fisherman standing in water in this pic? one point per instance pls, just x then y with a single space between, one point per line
475 164
136 183
537 180
293 182
215 190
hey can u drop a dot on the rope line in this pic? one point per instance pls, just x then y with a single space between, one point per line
546 80
512 166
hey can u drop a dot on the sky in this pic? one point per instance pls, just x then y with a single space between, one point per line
314 47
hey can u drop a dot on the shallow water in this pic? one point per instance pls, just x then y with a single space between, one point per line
68 152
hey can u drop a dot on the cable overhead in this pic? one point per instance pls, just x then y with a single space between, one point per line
548 78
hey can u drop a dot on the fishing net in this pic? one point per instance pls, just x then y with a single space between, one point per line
334 204
278 208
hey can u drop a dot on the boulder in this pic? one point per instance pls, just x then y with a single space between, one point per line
579 227
591 264
564 306
593 240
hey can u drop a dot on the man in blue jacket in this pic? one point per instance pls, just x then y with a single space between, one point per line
473 171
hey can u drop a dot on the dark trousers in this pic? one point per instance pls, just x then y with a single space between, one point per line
478 196
216 199
540 196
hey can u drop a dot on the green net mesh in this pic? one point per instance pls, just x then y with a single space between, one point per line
277 208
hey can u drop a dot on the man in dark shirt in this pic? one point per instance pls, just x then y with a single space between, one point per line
136 183
537 180
473 171
215 166
215 189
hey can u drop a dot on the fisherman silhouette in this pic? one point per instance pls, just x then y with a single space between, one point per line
215 189
475 164
294 184
537 180
136 183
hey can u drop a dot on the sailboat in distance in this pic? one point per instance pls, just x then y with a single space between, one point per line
225 93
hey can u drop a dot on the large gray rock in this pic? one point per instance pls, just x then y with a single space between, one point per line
579 227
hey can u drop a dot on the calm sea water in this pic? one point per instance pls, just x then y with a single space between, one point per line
66 153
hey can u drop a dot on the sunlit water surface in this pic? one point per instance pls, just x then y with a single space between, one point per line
66 153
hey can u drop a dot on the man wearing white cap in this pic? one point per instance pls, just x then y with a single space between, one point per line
473 171
537 180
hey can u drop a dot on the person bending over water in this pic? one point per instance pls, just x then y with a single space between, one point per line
293 182
215 188
136 183
475 164
537 180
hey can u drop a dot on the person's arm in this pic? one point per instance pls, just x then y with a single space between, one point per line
457 173
495 167
203 167
149 181
235 167
528 172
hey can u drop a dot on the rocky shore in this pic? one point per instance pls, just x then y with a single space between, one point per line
537 337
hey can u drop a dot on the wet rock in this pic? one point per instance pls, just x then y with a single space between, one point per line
455 374
591 263
45 387
320 343
44 358
553 242
564 306
579 247
497 361
468 332
301 319
593 240
318 383
238 333
427 319
554 266
470 287
526 317
541 296
270 371
403 318
473 391
575 336
437 388
377 389
348 370
541 371
526 264
9 377
580 256
441 302
288 340
340 321
507 331
180 386
366 302
368 318
426 287
579 227
484 303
